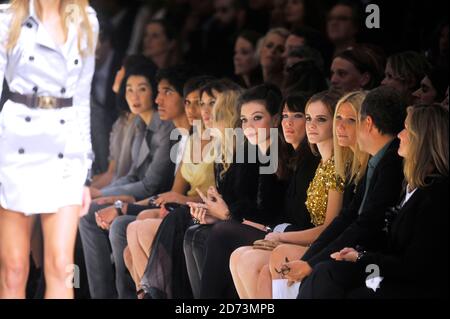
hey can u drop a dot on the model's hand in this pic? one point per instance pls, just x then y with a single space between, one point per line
104 217
346 254
86 201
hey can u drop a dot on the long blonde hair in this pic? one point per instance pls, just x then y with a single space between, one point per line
225 112
350 166
428 127
21 10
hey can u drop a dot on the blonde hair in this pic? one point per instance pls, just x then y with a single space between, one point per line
225 112
21 10
282 32
350 166
428 127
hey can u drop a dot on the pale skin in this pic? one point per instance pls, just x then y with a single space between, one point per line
253 270
59 228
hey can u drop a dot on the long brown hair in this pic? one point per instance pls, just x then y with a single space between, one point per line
21 10
328 98
427 155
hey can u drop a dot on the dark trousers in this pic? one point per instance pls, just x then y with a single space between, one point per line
194 247
103 253
338 279
224 238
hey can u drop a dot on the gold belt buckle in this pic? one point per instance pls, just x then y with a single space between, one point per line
46 102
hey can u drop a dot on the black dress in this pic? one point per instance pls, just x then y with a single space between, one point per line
242 188
275 204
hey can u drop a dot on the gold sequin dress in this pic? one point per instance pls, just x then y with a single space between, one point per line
324 180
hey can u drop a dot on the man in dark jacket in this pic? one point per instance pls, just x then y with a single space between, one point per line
381 119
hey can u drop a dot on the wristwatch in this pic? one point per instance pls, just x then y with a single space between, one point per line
118 205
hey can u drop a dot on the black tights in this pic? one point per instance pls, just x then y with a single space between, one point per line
225 237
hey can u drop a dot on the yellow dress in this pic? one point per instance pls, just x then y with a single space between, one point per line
324 180
198 175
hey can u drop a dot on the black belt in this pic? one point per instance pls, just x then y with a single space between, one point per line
40 102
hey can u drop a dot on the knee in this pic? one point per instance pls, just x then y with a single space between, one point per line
59 266
234 259
223 232
118 230
238 256
132 231
127 258
14 272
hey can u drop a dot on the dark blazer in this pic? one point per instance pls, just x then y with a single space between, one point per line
416 256
152 171
295 210
349 228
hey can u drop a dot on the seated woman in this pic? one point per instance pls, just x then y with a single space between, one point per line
298 164
246 65
432 87
404 71
124 131
271 55
250 266
165 275
236 223
416 229
191 175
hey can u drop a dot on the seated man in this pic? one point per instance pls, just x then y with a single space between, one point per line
362 222
152 173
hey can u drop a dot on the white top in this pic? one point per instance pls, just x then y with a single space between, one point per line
38 63
408 195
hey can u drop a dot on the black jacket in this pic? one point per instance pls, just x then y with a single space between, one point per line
295 210
366 229
417 252
249 194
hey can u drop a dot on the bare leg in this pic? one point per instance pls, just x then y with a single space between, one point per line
148 213
15 234
140 235
278 257
235 259
264 286
249 267
60 232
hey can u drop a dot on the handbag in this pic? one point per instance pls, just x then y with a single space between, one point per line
265 244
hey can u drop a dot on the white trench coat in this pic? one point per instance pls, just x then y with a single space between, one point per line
44 154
